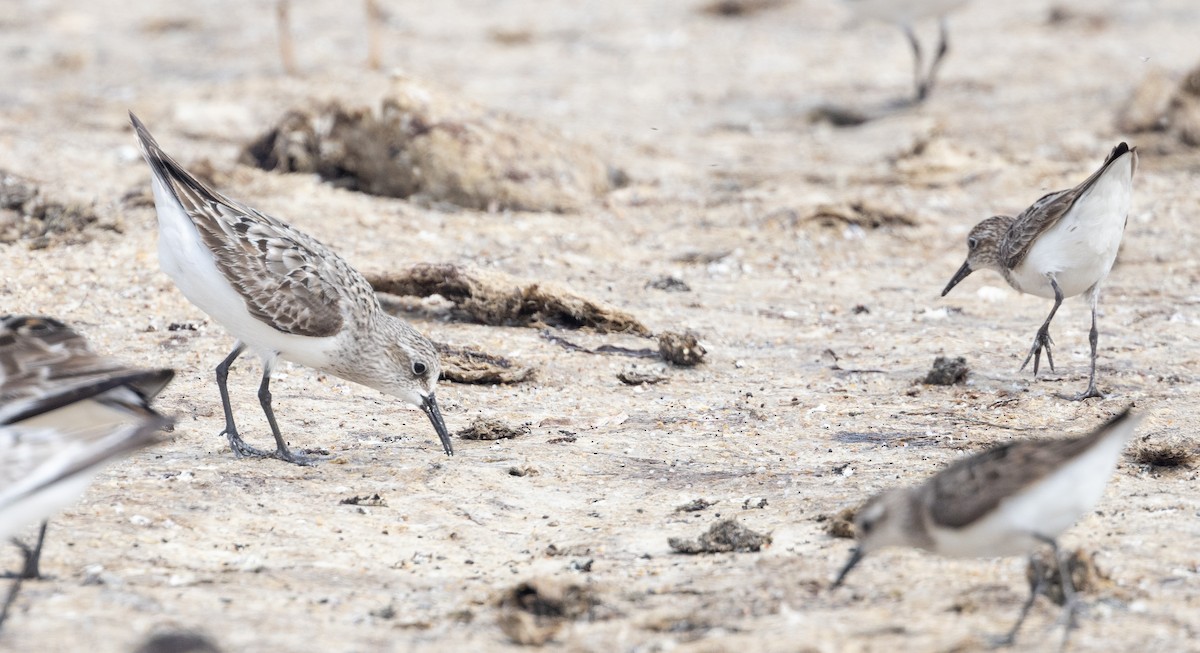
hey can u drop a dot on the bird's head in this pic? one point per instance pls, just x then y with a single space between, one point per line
983 249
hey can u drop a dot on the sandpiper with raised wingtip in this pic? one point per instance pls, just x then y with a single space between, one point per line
1005 501
284 295
1064 245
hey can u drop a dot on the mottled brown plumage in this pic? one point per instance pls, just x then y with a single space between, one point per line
45 364
1063 245
972 487
283 295
64 412
287 278
1007 500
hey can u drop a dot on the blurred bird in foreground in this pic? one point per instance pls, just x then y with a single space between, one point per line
64 413
1005 501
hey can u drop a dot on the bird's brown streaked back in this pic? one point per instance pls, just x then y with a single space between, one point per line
973 487
42 358
278 271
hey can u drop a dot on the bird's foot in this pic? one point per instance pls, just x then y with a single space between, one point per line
922 93
1041 342
287 455
31 567
1090 393
1001 641
243 450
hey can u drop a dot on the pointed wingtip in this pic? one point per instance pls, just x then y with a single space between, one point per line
1120 150
1117 152
153 382
138 126
146 140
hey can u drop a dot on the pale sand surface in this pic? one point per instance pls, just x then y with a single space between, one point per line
708 117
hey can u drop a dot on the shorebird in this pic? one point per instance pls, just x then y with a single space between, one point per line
1002 502
1064 245
283 295
64 413
905 13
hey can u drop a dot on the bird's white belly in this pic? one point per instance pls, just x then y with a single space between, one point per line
190 264
18 512
40 492
1080 250
1077 263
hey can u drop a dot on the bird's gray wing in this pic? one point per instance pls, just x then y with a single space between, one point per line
45 364
288 279
57 401
973 486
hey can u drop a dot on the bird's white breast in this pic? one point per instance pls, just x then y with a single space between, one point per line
44 503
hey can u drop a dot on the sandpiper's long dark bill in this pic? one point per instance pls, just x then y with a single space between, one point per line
963 273
430 407
1062 246
1005 501
283 295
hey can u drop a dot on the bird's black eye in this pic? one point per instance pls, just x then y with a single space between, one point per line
971 243
866 526
420 368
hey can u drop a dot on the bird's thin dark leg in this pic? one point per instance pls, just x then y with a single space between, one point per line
33 556
1042 339
918 75
10 599
1039 582
13 590
29 570
1093 338
264 397
943 48
375 19
1070 601
239 446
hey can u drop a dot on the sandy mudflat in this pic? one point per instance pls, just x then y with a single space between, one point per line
708 117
